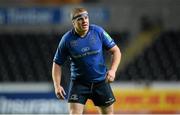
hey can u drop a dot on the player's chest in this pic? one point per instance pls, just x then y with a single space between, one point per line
84 45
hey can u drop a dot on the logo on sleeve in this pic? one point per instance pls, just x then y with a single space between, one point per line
107 36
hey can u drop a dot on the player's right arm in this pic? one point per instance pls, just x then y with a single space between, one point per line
56 76
59 58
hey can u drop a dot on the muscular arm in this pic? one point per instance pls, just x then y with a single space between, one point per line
116 57
56 76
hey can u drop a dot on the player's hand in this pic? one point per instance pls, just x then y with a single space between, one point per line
110 76
60 93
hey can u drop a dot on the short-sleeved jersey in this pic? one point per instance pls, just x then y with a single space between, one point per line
85 53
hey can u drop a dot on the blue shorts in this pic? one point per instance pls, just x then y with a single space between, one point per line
100 93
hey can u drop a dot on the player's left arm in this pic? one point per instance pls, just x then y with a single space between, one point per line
116 58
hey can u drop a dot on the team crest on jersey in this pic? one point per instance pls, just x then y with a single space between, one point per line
73 43
93 40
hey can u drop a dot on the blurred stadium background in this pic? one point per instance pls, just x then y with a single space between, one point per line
147 32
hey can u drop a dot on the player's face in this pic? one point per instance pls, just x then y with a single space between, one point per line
81 22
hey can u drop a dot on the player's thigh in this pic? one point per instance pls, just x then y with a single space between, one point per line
78 93
103 95
76 108
106 109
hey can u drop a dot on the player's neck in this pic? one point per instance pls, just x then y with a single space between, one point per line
81 33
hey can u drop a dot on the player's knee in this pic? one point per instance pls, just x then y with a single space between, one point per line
75 111
107 110
76 108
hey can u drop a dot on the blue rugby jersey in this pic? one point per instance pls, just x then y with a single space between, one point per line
86 53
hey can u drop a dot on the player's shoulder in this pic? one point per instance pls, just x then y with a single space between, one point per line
66 36
96 28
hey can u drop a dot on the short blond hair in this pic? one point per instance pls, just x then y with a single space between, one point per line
77 10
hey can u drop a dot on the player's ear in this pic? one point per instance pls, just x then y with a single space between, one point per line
73 22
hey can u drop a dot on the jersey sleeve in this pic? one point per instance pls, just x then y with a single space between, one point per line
61 52
108 42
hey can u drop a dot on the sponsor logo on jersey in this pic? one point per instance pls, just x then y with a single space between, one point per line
86 54
85 49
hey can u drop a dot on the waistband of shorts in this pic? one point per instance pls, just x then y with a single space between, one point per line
89 83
